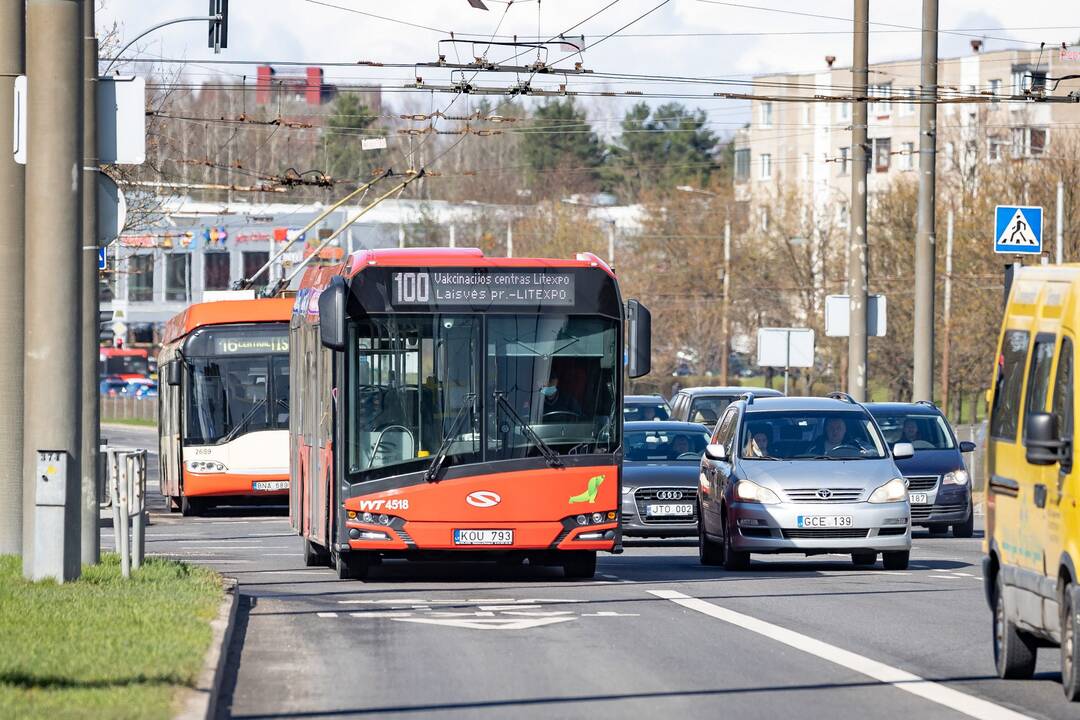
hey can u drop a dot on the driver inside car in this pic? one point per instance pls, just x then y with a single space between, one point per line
556 401
679 444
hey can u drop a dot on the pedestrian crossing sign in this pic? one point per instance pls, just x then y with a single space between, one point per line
1018 229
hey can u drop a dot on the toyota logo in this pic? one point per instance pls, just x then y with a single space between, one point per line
483 499
824 493
669 495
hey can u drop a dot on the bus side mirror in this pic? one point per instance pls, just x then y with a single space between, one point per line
332 314
1041 441
173 373
639 332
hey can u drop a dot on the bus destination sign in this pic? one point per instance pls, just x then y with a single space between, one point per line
462 287
251 344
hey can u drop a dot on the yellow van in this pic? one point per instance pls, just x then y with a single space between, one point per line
1032 523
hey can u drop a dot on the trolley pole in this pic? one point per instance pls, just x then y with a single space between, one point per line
857 252
53 363
925 239
91 409
12 45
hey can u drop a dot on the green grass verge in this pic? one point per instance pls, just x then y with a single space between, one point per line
102 646
129 421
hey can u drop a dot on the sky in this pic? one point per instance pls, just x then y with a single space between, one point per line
735 40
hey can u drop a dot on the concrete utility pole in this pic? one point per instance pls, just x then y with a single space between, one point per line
12 45
946 311
1059 248
857 252
725 326
91 409
925 240
53 361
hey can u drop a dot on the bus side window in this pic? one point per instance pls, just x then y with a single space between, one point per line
1005 414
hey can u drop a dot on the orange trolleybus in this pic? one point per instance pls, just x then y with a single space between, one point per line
224 405
452 405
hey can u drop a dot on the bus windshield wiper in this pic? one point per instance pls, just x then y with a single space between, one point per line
432 472
549 454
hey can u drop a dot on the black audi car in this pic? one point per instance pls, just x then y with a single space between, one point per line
939 486
660 477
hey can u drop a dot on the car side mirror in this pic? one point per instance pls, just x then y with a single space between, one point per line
332 314
639 339
173 373
715 451
1041 441
967 446
902 451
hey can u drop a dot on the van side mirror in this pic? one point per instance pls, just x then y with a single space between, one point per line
715 451
639 338
332 314
1041 440
173 373
967 446
903 451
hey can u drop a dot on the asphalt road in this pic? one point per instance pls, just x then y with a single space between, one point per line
656 634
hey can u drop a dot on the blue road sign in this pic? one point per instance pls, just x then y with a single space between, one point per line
102 256
1018 229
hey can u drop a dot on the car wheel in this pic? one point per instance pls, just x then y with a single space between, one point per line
896 560
938 530
1070 646
864 559
579 564
733 559
709 552
314 554
352 566
965 529
1014 650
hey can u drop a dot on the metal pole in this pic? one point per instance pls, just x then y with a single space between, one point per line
857 253
1059 249
611 244
120 534
135 477
925 240
946 330
53 363
453 238
725 327
12 28
510 238
91 409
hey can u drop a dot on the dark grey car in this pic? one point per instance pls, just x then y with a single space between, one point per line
660 477
706 404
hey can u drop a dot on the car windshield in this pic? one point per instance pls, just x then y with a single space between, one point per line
810 434
665 445
925 431
707 409
650 410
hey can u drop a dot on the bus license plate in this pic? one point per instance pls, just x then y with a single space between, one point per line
919 499
685 510
824 521
270 485
483 537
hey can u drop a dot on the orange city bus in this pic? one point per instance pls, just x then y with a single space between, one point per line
125 363
224 403
452 405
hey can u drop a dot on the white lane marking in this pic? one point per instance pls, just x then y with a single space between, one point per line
327 614
609 577
943 577
900 679
609 613
492 623
380 613
963 574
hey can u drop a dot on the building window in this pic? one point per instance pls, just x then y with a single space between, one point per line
1036 141
845 111
882 151
766 114
908 108
140 278
881 107
216 271
995 148
177 276
253 260
766 166
742 164
845 160
1028 142
995 89
907 156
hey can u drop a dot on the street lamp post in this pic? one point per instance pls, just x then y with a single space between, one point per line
725 327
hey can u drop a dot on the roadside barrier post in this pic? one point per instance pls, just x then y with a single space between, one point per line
121 533
127 495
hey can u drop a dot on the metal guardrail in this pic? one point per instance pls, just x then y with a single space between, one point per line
121 407
126 494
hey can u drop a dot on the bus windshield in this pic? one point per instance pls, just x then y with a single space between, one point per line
126 365
230 396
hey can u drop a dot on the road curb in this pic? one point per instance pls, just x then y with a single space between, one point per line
200 702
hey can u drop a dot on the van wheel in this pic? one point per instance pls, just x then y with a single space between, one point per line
734 559
352 566
314 554
579 564
860 559
1070 646
965 529
896 560
709 552
1014 650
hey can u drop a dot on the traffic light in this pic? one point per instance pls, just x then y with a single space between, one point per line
219 28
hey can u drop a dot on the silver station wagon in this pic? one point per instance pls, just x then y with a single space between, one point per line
802 475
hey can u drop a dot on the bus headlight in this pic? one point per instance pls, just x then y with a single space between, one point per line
956 477
205 466
893 491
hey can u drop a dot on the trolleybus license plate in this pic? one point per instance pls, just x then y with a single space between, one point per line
919 499
683 509
824 521
270 485
483 537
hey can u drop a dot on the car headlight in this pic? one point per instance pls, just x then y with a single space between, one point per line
956 477
748 491
893 491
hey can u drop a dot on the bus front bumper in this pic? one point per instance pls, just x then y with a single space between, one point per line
400 535
234 484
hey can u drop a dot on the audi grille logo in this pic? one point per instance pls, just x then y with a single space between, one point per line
824 493
483 499
669 495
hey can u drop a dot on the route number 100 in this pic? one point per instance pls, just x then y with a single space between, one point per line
412 287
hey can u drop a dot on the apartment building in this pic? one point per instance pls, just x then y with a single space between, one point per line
804 148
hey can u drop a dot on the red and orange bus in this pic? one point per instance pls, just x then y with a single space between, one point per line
224 403
451 405
124 363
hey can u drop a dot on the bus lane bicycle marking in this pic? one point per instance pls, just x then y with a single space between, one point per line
471 613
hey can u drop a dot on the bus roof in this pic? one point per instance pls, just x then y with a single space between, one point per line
225 312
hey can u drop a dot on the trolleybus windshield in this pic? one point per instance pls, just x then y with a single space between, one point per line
126 365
